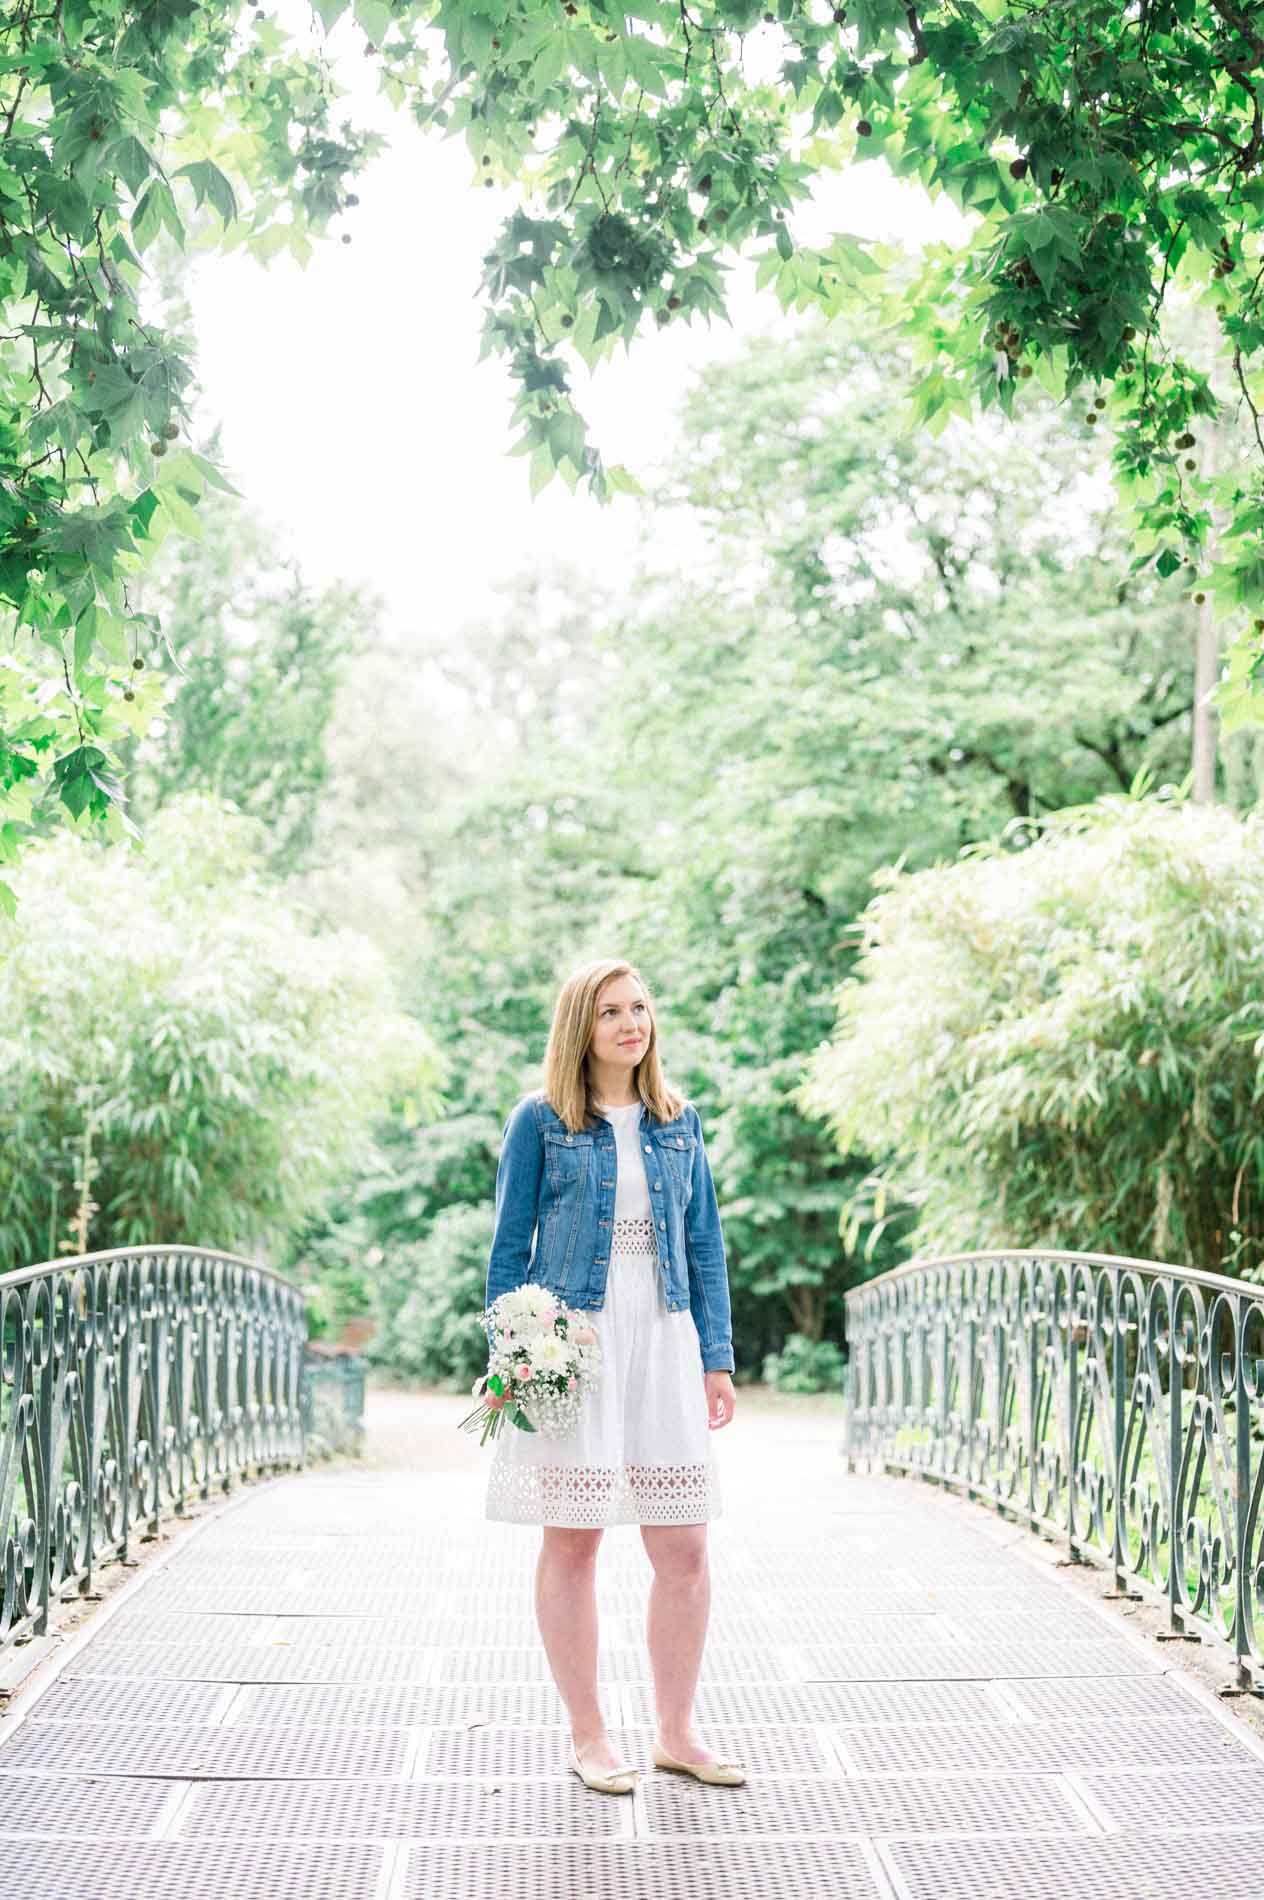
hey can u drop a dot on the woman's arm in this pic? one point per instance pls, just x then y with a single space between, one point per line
706 1263
518 1175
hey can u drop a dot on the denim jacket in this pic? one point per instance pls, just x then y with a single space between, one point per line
555 1205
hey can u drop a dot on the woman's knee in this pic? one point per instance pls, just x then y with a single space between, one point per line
576 1548
677 1551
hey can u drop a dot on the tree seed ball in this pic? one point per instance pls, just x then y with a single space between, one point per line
863 129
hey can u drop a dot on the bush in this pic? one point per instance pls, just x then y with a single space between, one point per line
435 1337
1060 1046
167 1015
805 1365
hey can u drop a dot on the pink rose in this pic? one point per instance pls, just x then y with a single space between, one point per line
570 1385
585 1336
523 1373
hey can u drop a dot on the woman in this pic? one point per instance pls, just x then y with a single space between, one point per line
604 1195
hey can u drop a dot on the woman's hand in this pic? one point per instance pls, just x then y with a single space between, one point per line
721 1399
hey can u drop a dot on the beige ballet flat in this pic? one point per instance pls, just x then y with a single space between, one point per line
725 1774
618 1781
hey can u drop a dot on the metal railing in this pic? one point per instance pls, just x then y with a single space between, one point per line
130 1382
1115 1404
332 1401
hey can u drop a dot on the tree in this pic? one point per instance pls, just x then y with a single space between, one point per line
1057 1041
251 669
183 1057
1109 153
885 648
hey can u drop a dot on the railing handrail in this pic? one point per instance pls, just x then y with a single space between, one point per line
1218 1282
137 1379
1114 1404
19 1276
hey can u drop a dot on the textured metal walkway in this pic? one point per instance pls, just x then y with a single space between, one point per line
335 1691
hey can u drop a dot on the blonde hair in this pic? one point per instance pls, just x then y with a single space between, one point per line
567 1087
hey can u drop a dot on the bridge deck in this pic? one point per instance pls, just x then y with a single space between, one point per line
335 1691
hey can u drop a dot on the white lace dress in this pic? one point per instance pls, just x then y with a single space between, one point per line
642 1451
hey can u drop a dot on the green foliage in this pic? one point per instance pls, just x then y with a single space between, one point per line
250 679
433 1336
1063 1045
121 121
884 648
806 1365
169 1015
1107 154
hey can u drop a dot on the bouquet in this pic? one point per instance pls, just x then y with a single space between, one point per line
544 1360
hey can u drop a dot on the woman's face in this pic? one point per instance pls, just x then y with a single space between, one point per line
621 1033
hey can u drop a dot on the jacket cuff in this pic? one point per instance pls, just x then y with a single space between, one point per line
717 1359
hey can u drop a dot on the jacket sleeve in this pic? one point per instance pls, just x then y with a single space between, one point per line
518 1173
706 1263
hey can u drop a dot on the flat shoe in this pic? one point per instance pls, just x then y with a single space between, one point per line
725 1774
618 1781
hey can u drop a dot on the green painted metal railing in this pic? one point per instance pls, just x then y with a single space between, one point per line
130 1382
1115 1404
332 1401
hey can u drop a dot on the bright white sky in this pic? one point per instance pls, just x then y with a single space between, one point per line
357 418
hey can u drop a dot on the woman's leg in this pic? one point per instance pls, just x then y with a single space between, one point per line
676 1629
566 1610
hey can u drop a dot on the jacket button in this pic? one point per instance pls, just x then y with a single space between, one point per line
658 1187
662 1223
570 1138
679 1142
648 1149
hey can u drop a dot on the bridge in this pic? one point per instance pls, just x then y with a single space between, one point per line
934 1640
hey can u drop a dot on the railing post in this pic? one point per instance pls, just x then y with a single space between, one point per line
91 1449
44 1463
1175 1461
1241 1489
1117 1414
942 1460
969 1348
1072 1405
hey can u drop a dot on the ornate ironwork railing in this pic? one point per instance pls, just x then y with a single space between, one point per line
1115 1404
131 1381
332 1400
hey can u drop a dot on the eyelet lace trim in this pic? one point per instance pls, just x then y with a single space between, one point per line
633 1233
587 1495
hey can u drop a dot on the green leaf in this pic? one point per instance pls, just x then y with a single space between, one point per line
549 63
375 18
644 65
132 162
208 181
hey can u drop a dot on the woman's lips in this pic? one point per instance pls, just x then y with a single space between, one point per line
634 1044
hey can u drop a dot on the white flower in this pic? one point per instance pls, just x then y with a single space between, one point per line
551 1354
